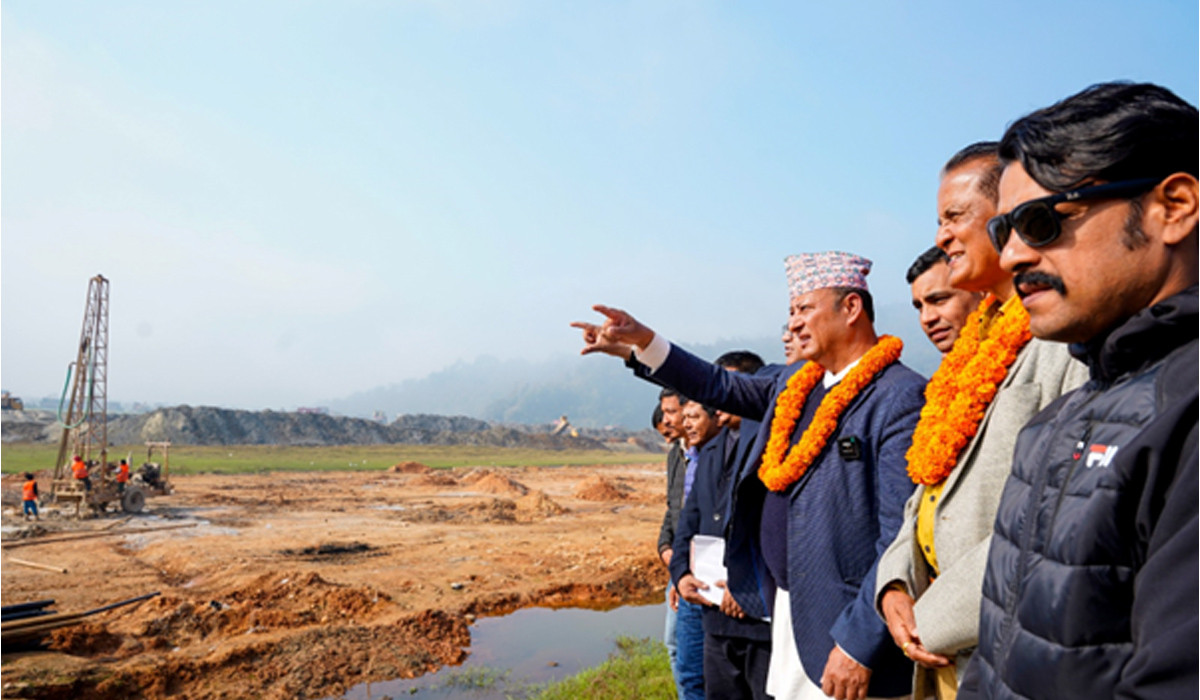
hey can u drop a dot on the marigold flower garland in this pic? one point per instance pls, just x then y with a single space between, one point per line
777 471
961 390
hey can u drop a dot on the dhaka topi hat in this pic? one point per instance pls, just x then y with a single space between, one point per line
808 272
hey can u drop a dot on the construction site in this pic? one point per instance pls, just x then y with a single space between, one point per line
137 582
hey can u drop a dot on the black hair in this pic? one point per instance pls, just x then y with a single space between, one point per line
989 181
656 418
1108 132
28 476
867 302
667 392
924 261
743 361
707 409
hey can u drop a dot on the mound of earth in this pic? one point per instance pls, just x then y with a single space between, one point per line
497 483
537 505
475 475
599 488
435 479
409 468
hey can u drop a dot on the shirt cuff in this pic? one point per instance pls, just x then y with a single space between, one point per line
654 354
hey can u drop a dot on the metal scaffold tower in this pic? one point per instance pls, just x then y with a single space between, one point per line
85 422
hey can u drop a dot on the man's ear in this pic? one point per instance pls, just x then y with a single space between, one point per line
1174 207
852 304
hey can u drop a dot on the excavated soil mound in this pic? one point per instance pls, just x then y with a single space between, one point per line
600 489
537 505
275 600
331 658
495 483
495 510
435 479
475 475
409 468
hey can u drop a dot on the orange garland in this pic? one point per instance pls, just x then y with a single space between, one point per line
964 385
777 472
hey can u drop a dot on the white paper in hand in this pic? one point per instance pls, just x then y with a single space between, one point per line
708 565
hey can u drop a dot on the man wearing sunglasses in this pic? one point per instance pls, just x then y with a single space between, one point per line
1091 584
929 578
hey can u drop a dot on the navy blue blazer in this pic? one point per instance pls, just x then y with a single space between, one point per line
842 515
704 513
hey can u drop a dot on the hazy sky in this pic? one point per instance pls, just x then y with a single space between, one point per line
298 200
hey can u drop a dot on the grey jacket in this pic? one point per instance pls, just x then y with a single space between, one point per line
947 610
676 469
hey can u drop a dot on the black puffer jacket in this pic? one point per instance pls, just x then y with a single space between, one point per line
1091 587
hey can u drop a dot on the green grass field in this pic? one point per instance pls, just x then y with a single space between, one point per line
196 459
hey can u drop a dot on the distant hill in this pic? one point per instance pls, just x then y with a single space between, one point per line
202 425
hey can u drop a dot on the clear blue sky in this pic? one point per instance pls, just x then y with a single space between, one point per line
298 200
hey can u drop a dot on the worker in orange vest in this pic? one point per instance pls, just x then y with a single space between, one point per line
80 470
29 496
122 476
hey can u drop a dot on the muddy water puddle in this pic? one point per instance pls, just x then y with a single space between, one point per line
528 647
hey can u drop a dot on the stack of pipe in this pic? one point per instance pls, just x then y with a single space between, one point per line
34 621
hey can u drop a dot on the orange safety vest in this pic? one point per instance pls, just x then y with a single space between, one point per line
123 475
29 490
79 469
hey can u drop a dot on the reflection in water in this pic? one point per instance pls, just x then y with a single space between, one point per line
534 645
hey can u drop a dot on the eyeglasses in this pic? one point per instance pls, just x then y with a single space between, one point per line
1038 223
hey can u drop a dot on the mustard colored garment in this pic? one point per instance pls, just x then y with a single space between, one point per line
932 494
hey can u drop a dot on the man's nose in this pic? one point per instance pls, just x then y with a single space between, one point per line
1017 255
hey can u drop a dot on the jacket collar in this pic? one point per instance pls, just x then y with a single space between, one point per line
1142 339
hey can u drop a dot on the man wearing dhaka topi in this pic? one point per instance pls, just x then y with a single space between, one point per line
993 380
825 490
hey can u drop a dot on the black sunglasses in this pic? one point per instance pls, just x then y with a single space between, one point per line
1039 224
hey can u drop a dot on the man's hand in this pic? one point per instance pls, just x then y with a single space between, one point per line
673 598
618 327
844 678
897 607
594 340
690 587
729 606
665 556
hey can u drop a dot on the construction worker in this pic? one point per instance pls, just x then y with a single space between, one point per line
29 496
80 471
122 476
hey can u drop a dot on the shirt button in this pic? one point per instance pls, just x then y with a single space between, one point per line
933 499
926 548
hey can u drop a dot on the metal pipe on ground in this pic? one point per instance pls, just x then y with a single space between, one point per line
89 535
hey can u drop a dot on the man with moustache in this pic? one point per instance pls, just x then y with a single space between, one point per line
943 310
1091 586
827 486
992 381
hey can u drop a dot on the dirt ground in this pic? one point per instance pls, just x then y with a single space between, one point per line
301 585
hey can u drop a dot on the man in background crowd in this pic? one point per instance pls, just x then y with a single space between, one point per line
943 310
